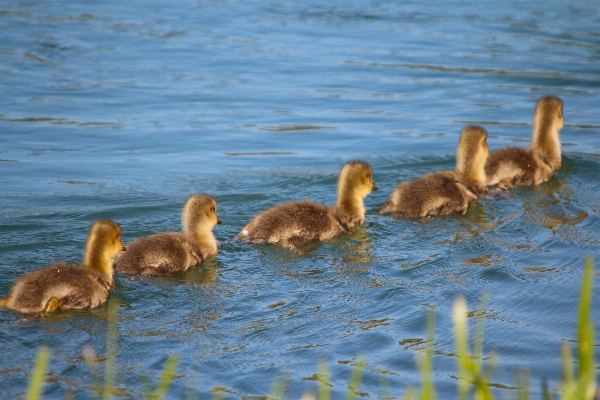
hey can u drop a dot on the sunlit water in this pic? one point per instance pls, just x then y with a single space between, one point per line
121 110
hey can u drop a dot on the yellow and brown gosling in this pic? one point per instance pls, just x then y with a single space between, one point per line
69 286
445 192
306 221
514 166
173 253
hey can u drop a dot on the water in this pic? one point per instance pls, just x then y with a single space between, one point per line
122 110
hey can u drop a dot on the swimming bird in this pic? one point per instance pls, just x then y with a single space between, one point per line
306 221
68 286
445 192
513 166
172 253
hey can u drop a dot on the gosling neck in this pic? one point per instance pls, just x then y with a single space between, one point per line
350 202
474 172
98 259
206 237
545 142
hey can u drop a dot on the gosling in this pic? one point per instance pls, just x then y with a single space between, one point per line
67 286
445 192
173 253
306 221
514 166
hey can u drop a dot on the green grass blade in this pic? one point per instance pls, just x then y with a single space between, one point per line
355 379
112 334
461 337
409 393
278 387
478 345
147 387
585 358
546 390
166 378
523 384
586 385
384 383
482 377
36 382
425 361
91 361
323 388
567 359
218 395
569 384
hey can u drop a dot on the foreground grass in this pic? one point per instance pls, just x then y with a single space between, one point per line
473 376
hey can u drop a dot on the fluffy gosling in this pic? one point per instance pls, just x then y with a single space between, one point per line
173 253
69 286
514 166
301 222
445 192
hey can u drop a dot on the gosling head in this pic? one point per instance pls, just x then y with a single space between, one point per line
103 244
472 153
547 121
199 215
356 180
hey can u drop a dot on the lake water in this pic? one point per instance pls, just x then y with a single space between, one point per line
121 110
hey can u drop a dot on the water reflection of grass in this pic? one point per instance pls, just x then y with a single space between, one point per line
473 376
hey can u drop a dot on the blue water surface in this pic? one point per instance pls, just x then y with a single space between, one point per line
122 110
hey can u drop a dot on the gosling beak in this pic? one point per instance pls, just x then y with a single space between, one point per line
124 248
219 220
374 187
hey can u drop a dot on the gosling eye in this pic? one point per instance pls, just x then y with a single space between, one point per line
213 209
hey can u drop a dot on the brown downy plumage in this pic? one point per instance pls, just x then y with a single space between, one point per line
306 221
513 166
71 286
173 253
445 192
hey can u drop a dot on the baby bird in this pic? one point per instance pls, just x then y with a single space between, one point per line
513 166
445 192
71 286
301 222
173 253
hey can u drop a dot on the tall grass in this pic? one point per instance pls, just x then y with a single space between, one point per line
473 376
425 362
36 382
112 334
583 385
109 387
166 377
